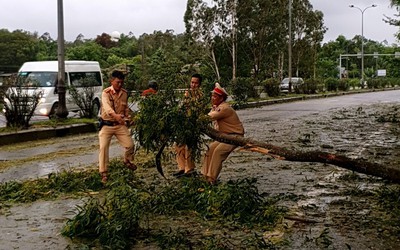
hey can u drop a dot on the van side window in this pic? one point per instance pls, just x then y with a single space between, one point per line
84 79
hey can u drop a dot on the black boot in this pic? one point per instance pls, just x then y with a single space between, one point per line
179 173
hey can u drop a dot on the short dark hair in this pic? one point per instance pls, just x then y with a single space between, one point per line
198 76
118 74
153 84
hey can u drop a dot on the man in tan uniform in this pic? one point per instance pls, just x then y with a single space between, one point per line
184 159
114 112
226 120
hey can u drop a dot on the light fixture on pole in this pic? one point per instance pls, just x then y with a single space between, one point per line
362 37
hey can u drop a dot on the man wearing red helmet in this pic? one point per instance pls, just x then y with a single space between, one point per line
225 120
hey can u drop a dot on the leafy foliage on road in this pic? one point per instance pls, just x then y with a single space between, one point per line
56 184
120 217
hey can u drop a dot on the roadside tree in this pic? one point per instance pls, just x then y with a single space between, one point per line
16 48
20 102
82 93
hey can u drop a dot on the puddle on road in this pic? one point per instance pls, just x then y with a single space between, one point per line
29 171
74 155
37 225
46 168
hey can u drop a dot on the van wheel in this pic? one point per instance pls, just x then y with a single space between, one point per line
95 108
52 114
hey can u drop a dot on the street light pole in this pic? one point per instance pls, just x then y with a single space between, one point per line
61 111
362 37
290 47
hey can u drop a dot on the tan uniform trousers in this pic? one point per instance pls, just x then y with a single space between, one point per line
123 137
215 155
184 159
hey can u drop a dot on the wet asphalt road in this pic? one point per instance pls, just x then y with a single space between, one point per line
302 108
37 159
259 119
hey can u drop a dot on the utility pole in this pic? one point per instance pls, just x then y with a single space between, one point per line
234 40
290 47
61 111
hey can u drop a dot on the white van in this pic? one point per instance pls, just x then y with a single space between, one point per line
44 75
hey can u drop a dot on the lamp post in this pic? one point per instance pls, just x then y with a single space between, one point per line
362 38
290 46
61 111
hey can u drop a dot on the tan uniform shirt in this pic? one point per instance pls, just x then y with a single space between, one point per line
113 102
183 155
226 119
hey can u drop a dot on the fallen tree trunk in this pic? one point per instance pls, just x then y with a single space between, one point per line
357 165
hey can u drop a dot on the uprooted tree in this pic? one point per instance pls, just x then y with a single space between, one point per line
163 120
357 165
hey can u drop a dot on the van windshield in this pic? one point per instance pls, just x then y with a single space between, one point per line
37 79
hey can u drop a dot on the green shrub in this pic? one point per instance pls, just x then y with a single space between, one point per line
392 82
353 83
343 84
373 83
310 86
243 89
82 93
321 87
271 86
331 84
384 82
20 103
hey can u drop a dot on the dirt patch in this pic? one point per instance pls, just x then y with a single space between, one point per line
338 208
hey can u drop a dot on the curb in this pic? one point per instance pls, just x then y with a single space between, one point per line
46 133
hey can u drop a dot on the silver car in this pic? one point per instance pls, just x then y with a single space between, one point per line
296 81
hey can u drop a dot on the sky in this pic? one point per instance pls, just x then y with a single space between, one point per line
94 17
340 19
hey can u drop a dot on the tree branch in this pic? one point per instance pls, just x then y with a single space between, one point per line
357 165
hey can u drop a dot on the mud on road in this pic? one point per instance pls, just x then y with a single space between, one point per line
338 207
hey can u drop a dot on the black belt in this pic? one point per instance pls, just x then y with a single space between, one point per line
110 123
